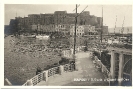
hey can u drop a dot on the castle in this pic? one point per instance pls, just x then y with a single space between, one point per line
57 21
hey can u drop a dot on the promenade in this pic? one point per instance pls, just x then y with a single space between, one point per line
86 75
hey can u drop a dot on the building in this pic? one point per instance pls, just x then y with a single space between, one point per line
86 30
57 19
13 25
79 30
7 29
89 30
60 17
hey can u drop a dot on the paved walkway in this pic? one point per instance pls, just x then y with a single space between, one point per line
87 74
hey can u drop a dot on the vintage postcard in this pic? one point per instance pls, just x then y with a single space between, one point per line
67 44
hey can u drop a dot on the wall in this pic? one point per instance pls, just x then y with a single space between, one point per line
59 17
34 27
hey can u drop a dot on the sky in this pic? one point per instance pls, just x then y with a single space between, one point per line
109 12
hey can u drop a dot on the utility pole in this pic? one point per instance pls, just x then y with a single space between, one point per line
101 31
102 25
76 24
75 31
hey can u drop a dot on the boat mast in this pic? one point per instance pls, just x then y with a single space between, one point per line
123 27
115 24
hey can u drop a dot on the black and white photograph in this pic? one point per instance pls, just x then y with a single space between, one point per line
67 45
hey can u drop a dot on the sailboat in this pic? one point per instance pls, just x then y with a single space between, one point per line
113 39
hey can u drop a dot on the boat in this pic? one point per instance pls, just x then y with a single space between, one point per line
28 36
42 36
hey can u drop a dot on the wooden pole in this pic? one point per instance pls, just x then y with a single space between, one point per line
102 25
75 31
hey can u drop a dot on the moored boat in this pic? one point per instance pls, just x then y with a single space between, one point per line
42 36
28 36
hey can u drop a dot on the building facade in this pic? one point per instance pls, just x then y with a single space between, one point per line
57 20
79 30
89 30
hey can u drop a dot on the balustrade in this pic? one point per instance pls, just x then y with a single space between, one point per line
103 68
48 73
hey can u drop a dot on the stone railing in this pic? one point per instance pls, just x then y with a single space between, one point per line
43 76
53 71
101 67
123 46
69 68
36 79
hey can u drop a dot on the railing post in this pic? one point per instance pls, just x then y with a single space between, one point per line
45 75
112 69
102 68
109 78
121 62
29 83
99 63
72 66
61 69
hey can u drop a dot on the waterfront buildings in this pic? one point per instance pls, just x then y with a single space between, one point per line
79 30
57 21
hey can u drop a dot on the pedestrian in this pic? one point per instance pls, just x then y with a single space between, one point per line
39 70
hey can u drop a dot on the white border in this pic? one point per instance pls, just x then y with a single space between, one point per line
2 2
